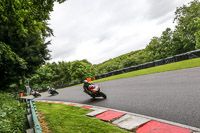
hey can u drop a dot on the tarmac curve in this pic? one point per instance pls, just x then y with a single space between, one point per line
172 96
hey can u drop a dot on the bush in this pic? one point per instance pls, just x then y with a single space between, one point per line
12 114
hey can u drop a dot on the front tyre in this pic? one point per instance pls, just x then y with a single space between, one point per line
103 95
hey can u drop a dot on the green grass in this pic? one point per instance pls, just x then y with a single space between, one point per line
163 68
12 114
70 119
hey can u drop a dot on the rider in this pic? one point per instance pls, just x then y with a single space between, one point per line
86 86
49 89
33 92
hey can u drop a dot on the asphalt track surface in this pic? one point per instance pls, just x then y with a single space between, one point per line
172 96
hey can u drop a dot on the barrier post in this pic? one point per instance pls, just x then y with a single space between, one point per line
37 127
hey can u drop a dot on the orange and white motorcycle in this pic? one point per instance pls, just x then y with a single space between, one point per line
94 91
36 94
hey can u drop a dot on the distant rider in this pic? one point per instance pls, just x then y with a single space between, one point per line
33 92
49 89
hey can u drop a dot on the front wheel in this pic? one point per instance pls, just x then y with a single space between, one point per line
103 95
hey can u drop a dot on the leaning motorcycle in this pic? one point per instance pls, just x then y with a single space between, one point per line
53 91
36 94
94 91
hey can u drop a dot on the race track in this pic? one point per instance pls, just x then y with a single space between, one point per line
172 96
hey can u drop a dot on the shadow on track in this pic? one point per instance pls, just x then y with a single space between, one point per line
93 100
52 95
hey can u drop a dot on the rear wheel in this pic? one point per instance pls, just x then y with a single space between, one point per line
103 95
54 93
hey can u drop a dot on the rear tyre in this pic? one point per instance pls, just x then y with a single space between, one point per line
103 95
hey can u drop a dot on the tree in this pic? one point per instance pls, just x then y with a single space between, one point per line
65 72
111 67
197 33
153 49
12 66
184 34
167 48
79 70
130 61
24 28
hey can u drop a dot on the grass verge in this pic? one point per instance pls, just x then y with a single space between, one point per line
12 114
163 68
70 119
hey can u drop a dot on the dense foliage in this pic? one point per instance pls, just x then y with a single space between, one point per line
23 33
53 74
11 65
12 115
197 33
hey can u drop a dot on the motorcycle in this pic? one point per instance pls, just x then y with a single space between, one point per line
36 94
94 91
53 92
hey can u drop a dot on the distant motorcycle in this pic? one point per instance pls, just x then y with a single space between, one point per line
36 94
94 91
53 91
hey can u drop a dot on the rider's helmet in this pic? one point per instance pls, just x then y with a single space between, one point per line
48 87
85 82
